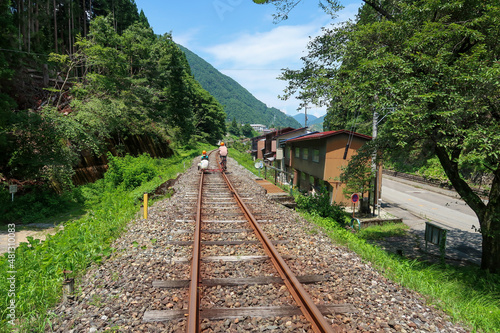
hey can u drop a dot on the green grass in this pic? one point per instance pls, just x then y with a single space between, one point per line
383 231
467 294
110 204
245 160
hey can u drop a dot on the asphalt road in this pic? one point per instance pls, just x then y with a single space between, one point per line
417 203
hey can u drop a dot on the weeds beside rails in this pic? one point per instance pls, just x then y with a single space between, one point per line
467 294
39 265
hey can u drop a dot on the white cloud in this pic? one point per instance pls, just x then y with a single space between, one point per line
281 45
186 37
255 60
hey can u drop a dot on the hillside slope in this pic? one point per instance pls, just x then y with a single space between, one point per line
238 102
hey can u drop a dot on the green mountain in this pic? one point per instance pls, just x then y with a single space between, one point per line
314 123
238 102
300 117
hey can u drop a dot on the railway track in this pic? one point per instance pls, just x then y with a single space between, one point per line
144 285
225 230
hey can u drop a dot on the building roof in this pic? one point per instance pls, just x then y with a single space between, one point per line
290 132
324 135
297 137
281 131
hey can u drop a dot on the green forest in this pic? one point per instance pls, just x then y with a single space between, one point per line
238 103
79 79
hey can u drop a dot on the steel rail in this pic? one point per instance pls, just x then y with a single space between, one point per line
304 301
194 321
218 157
300 295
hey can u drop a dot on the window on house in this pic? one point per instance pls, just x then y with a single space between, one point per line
315 157
297 152
305 153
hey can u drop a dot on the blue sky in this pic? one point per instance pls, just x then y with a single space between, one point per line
240 39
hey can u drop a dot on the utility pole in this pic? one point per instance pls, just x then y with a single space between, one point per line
375 167
374 158
305 118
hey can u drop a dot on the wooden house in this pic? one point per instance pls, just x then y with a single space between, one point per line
317 159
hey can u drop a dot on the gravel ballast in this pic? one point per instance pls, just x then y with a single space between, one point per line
115 295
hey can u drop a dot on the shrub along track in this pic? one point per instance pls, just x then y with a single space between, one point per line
144 285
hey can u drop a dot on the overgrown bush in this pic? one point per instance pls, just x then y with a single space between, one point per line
39 266
432 170
319 204
130 172
35 204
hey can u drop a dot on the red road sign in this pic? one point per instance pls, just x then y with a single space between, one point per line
355 198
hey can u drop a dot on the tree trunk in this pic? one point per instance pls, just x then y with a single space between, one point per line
29 26
488 214
22 23
31 23
36 22
61 36
490 228
84 17
55 25
69 27
490 259
19 26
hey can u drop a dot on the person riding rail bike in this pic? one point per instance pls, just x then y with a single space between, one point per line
223 156
204 155
204 161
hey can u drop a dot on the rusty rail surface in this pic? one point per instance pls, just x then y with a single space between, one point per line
300 295
193 323
194 320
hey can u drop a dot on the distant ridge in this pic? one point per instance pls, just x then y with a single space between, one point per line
313 122
300 117
238 102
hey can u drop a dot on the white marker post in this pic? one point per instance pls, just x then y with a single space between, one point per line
12 189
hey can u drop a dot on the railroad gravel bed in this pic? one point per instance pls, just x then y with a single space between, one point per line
114 295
